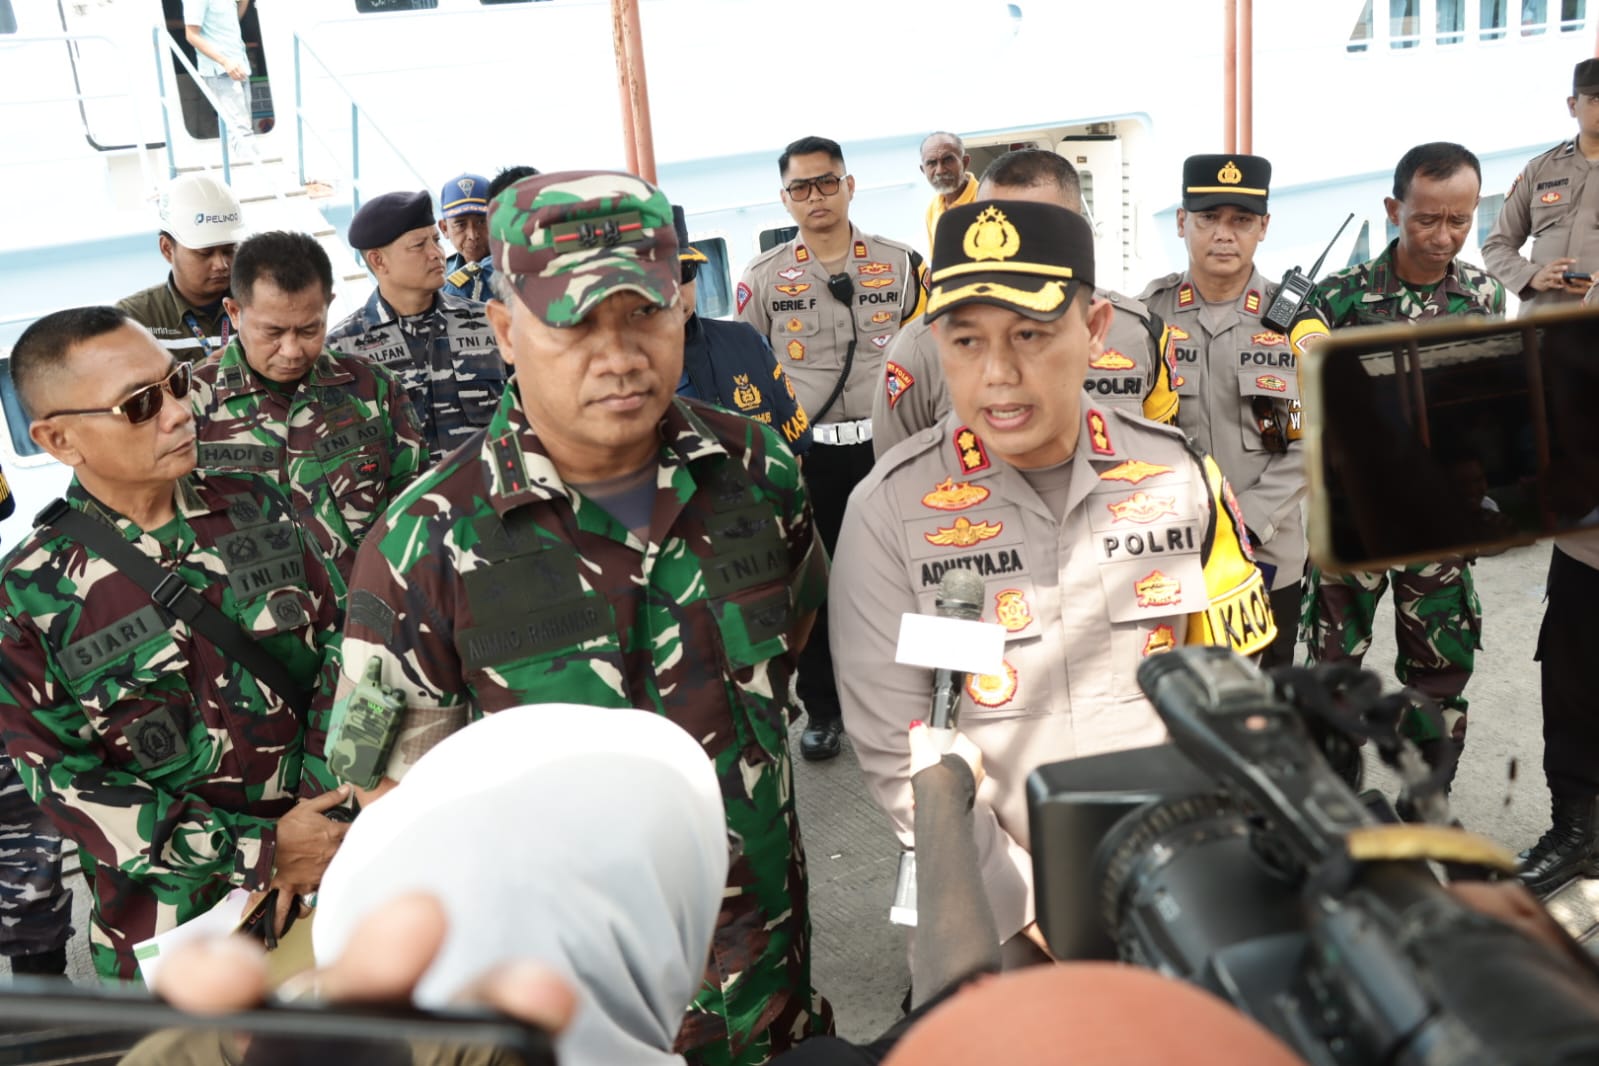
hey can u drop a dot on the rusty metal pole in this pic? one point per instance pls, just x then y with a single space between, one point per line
1246 76
623 87
629 39
1229 58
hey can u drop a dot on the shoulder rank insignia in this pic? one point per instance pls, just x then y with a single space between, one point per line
1099 434
1111 359
802 254
1161 639
1252 302
1133 471
948 496
964 533
860 250
465 274
992 690
1011 610
969 451
896 379
1185 295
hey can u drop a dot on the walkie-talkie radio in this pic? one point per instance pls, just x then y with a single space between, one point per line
1296 286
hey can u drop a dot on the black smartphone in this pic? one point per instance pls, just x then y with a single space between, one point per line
50 1021
1461 436
1576 275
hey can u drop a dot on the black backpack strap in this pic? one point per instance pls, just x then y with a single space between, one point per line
174 596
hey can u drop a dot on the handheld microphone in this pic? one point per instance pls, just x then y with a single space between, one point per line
960 595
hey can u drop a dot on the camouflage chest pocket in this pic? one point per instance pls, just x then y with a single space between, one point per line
536 630
129 678
479 381
1266 394
355 464
746 580
746 576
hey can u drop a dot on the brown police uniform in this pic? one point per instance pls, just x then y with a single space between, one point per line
1141 550
1131 546
785 295
1238 385
1555 201
1132 374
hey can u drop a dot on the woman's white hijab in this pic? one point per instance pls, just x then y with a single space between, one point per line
590 839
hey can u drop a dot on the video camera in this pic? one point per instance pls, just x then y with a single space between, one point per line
1236 858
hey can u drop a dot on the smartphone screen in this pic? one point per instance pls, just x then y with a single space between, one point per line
50 1021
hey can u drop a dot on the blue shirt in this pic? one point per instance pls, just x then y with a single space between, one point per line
219 23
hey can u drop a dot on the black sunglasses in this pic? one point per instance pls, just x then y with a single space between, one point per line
145 403
800 189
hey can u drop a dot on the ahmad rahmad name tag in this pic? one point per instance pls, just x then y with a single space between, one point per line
952 643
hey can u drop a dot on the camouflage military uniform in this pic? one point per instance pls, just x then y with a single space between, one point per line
1133 373
445 357
35 907
1436 612
164 761
343 443
489 584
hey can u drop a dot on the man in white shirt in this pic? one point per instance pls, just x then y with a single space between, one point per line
212 27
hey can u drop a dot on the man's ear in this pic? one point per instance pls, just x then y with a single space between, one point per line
53 436
500 319
231 306
1391 206
1182 217
1100 314
168 247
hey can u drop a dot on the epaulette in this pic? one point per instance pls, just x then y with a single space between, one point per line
1159 285
465 274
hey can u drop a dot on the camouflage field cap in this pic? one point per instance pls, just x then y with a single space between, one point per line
566 241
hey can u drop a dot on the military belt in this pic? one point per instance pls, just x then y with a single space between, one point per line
857 432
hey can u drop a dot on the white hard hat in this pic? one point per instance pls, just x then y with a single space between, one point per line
200 211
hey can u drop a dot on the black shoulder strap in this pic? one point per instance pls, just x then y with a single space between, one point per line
173 595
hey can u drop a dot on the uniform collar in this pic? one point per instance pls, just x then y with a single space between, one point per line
194 497
859 249
1252 301
1385 283
185 307
234 377
377 311
519 471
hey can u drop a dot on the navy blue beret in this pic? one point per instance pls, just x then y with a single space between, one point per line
383 219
